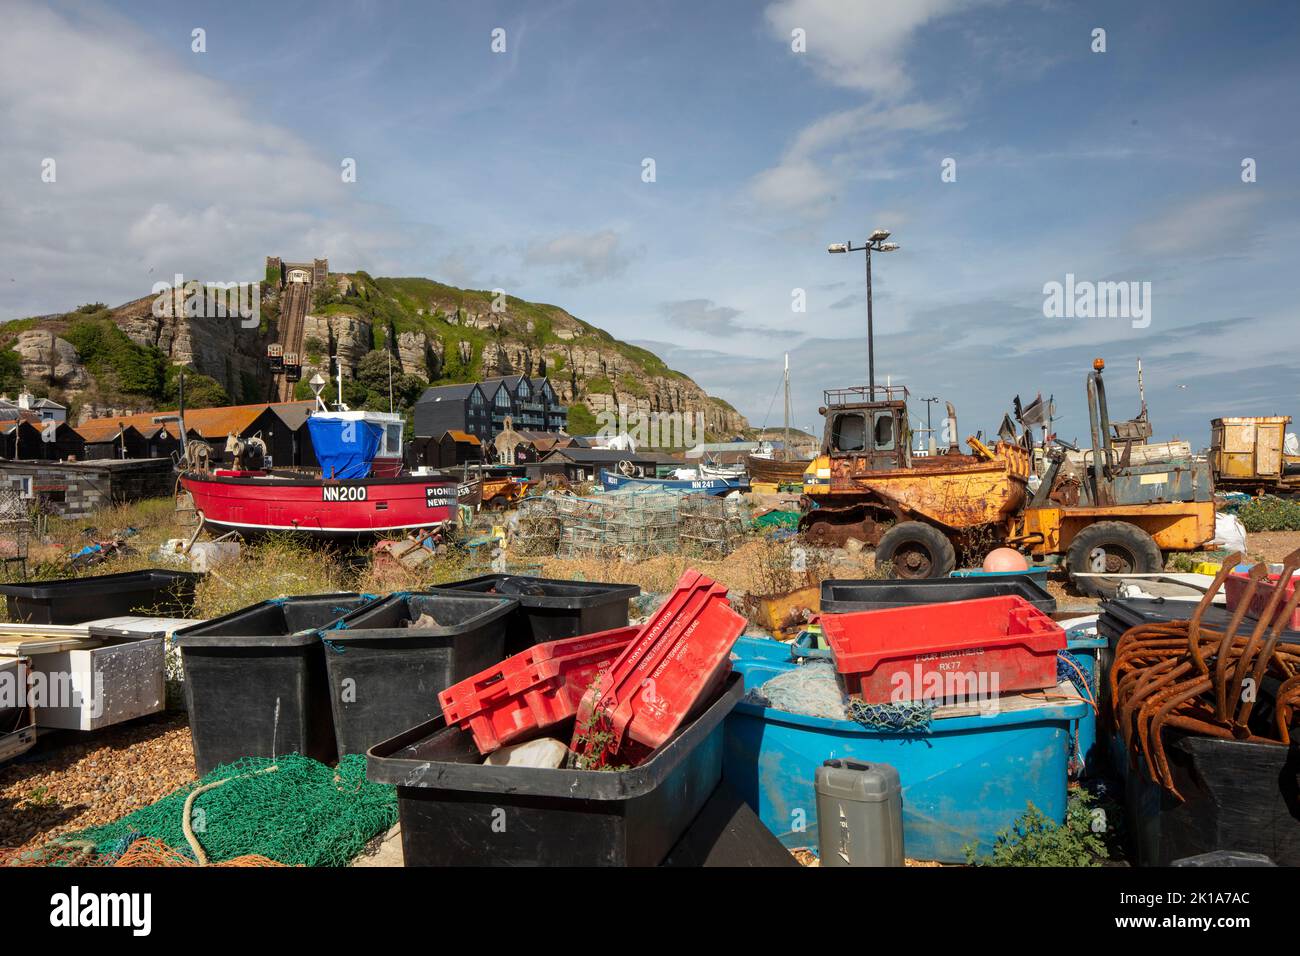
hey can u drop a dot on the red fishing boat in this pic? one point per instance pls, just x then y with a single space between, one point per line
360 491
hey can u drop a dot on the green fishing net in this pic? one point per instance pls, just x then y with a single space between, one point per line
291 809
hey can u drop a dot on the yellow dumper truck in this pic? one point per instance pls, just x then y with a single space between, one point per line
1250 455
1116 509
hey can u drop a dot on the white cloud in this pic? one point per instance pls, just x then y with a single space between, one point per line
823 155
580 258
861 45
858 46
702 315
1218 221
706 316
159 170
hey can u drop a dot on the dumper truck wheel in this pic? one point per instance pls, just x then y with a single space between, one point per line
917 551
1124 549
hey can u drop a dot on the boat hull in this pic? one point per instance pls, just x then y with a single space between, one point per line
611 481
776 472
322 508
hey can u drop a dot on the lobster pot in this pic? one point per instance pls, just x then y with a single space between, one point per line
709 526
539 527
633 525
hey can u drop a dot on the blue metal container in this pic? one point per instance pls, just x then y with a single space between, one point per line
1086 648
963 780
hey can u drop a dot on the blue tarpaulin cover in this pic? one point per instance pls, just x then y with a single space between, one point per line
344 449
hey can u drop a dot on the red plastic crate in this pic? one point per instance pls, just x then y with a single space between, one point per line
679 657
533 689
1235 589
941 651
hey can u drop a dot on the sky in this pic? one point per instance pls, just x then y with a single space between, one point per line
1005 144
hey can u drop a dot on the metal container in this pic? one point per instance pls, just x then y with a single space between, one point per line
859 814
17 728
95 687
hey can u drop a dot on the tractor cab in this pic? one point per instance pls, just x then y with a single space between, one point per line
871 430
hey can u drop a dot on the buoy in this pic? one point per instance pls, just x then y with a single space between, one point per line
1005 559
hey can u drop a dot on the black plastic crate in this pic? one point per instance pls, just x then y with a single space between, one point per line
385 677
549 609
1237 795
841 597
159 591
449 801
255 680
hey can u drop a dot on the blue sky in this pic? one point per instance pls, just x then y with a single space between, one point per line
523 170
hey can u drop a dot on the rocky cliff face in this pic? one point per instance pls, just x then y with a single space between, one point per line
218 347
435 332
44 357
575 369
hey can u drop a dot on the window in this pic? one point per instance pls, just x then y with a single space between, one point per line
849 433
393 439
884 430
503 398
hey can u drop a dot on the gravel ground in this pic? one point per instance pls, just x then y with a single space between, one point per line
1271 546
66 783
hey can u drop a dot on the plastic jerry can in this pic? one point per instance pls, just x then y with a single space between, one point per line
859 814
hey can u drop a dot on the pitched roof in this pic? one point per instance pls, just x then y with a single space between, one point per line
460 436
13 424
594 456
444 393
98 430
491 386
512 381
293 414
209 423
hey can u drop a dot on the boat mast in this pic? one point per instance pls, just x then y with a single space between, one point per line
785 452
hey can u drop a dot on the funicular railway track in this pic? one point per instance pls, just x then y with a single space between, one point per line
293 313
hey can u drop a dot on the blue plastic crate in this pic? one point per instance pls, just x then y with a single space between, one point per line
1038 574
963 780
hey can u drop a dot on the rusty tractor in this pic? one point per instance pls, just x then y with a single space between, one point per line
1115 509
915 511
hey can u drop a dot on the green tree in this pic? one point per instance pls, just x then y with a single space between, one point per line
111 355
407 389
356 395
11 371
454 367
374 370
201 391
